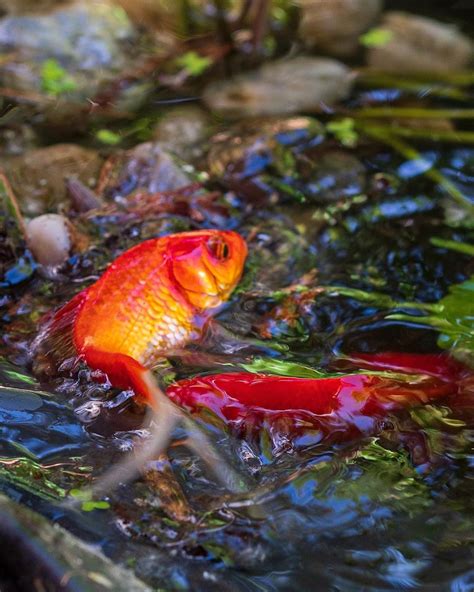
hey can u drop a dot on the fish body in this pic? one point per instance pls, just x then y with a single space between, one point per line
440 365
338 405
154 298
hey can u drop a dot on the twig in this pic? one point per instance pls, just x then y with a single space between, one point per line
413 113
246 5
223 31
464 248
11 204
462 78
456 136
260 25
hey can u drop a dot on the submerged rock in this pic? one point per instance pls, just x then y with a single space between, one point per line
245 148
44 556
70 53
16 139
181 130
279 253
158 14
420 44
335 26
146 167
27 6
283 87
332 176
38 177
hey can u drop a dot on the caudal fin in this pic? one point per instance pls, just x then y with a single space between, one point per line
165 416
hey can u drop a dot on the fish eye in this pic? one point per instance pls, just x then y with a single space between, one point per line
218 248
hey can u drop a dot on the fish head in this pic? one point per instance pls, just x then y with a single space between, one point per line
207 265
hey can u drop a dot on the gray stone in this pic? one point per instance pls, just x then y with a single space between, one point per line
282 87
39 555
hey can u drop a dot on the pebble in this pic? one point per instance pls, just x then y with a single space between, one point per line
420 44
49 239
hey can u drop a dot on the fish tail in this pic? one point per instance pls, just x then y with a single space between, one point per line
164 415
123 372
127 372
197 440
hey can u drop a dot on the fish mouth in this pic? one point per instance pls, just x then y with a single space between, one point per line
221 290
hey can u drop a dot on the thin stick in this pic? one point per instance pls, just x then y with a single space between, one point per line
165 416
246 5
456 136
462 78
11 203
378 299
127 470
413 113
199 443
464 248
260 24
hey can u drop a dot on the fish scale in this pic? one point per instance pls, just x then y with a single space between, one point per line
128 325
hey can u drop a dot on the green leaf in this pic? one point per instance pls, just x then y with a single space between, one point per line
193 63
374 298
92 505
376 37
120 16
344 131
428 416
108 137
81 494
88 504
387 476
375 474
458 246
453 316
11 372
282 368
54 78
31 476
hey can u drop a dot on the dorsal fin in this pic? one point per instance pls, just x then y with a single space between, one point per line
53 348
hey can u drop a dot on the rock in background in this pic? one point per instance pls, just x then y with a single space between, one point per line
282 87
420 44
334 26
38 177
72 53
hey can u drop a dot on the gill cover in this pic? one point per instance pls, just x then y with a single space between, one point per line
208 266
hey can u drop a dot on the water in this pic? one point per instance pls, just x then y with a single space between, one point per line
390 509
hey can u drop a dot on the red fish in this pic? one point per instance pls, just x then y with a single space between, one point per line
351 401
441 365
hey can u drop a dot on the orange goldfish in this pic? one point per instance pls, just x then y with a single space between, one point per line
152 299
